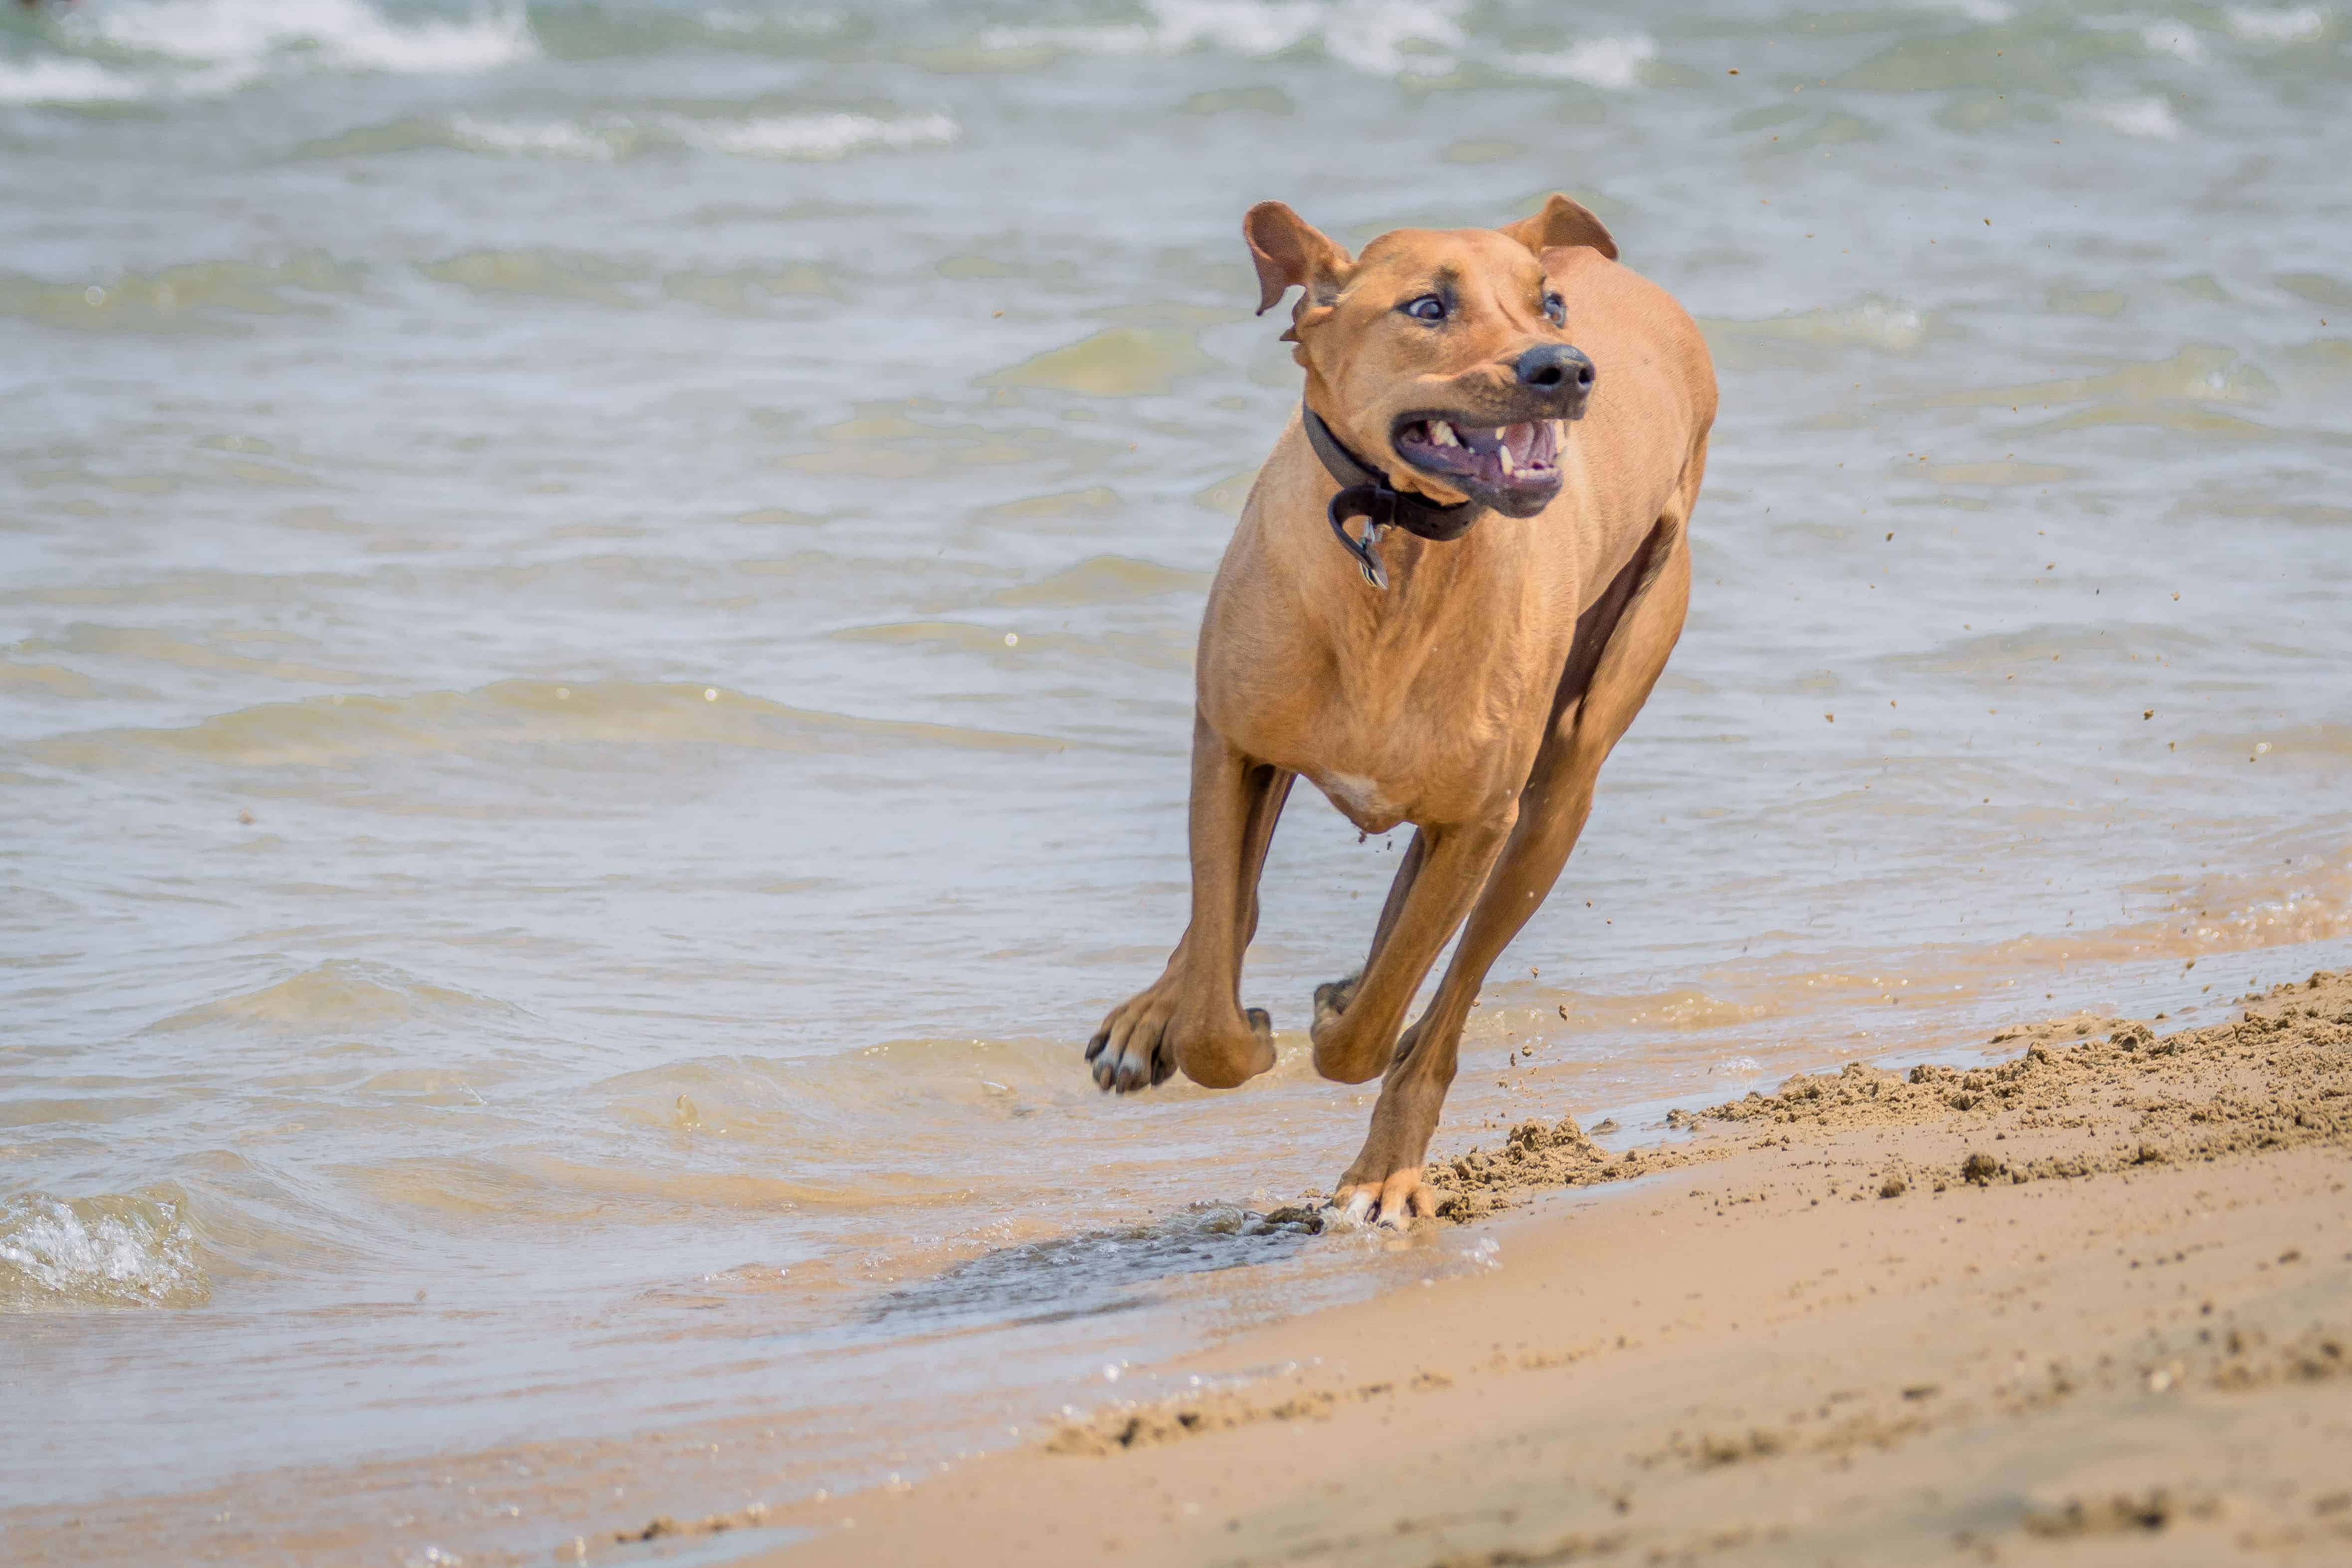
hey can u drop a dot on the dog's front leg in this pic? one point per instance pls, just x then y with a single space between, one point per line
1191 1018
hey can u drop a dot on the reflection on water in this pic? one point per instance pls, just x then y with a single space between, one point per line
595 645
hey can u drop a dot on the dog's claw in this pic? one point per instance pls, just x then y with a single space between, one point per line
1144 1043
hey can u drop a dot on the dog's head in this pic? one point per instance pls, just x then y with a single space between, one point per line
1441 355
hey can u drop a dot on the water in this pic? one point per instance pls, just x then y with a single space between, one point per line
596 615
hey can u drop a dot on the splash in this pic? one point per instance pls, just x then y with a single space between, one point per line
113 1250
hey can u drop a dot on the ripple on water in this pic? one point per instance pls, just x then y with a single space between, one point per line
339 993
1102 579
1119 361
116 1250
341 729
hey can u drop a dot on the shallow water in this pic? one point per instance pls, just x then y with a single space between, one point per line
595 618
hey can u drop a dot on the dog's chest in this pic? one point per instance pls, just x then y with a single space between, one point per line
1360 799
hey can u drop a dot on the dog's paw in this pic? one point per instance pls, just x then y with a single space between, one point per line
1146 1038
1332 997
1394 1202
1133 1050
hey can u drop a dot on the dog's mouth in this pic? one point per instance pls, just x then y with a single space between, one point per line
1513 468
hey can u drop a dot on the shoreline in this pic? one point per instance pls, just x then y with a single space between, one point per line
2092 1301
1673 1304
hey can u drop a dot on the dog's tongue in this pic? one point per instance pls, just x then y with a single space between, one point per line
1507 450
1491 454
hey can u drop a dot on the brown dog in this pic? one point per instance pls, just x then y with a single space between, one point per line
1467 668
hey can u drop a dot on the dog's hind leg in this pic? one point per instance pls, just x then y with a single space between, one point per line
1354 1044
1191 1018
1332 997
1621 648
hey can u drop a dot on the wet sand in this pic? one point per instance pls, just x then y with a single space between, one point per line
2092 1303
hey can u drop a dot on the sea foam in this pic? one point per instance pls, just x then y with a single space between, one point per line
64 81
241 39
113 1250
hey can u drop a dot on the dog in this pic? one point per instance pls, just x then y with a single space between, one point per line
1455 583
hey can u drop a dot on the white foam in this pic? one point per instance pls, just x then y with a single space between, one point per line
1984 13
1380 38
245 35
2298 26
126 1252
1239 27
811 136
1613 63
2178 39
545 138
1386 39
740 22
56 81
1133 39
2148 118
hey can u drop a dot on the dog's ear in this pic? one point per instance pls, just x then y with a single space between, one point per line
1562 222
1288 250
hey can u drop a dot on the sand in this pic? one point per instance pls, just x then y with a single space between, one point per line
2091 1304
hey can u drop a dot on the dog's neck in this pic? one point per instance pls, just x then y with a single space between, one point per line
1365 492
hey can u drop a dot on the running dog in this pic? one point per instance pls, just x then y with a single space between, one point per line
1455 583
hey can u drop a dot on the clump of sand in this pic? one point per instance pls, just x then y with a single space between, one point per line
2073 1102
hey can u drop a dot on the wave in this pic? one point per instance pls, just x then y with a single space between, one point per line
337 730
1380 38
608 138
1119 361
812 136
62 80
1882 324
2150 118
1614 63
2295 25
193 48
163 299
338 994
111 1251
346 34
1104 579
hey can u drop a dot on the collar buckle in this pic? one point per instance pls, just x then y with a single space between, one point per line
1376 503
1365 492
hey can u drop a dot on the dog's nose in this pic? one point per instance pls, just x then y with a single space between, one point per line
1555 368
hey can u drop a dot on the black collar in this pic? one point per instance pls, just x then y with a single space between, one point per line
1365 492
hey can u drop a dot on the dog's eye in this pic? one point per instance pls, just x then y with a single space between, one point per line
1556 309
1428 308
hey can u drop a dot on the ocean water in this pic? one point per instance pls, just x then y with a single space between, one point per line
596 606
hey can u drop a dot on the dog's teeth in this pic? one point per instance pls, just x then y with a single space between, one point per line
1441 434
1504 449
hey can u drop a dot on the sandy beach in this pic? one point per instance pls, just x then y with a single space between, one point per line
2090 1304
600 629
